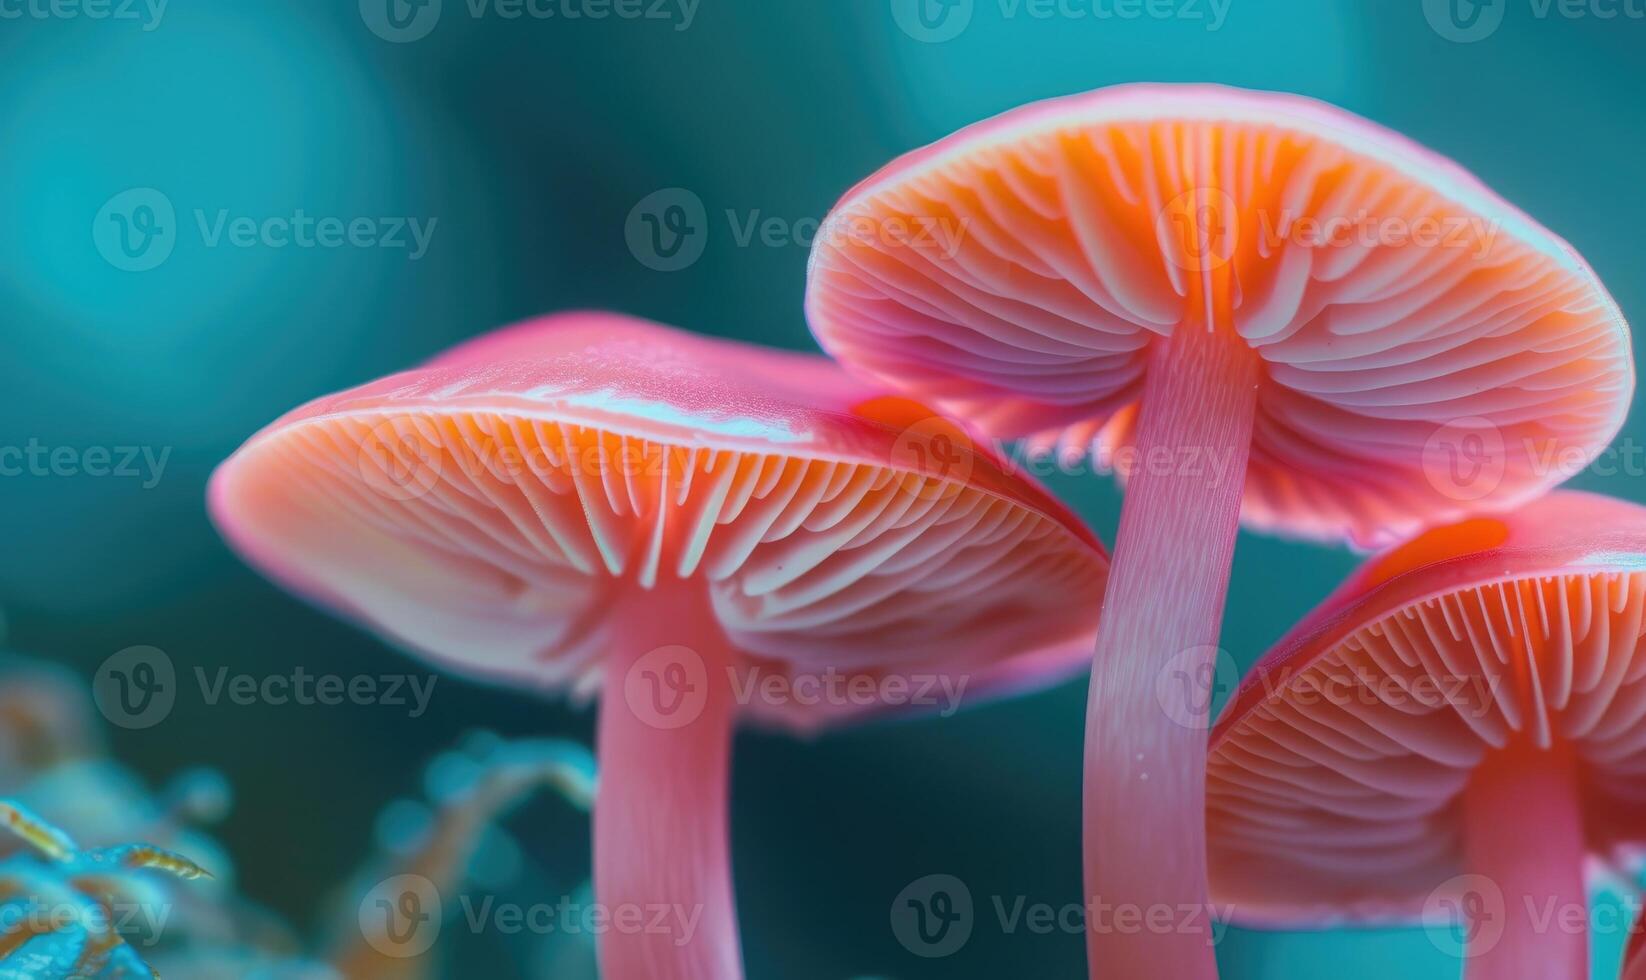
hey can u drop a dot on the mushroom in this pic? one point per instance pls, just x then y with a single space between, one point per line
1450 735
695 527
1251 306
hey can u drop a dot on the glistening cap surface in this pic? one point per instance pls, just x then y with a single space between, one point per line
1335 775
1426 347
484 510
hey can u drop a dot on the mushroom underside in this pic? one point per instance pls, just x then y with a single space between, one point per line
497 542
1383 311
1338 797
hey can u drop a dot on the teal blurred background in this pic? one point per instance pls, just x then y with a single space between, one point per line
521 146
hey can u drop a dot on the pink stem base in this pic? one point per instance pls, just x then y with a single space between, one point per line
1523 828
1146 713
661 850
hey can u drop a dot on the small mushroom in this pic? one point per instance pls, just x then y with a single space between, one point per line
1449 736
1250 306
691 528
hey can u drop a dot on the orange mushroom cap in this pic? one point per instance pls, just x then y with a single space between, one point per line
1336 774
1426 348
483 509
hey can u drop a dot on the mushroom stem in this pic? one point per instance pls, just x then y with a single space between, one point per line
660 827
1523 830
1150 698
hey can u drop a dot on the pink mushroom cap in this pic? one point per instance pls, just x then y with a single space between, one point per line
1407 320
1338 771
483 511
